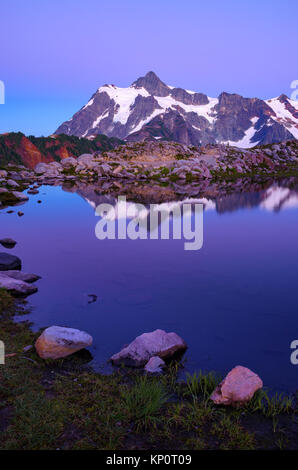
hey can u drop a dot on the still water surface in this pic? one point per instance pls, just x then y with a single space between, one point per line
234 301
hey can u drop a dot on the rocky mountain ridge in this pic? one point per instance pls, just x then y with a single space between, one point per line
151 110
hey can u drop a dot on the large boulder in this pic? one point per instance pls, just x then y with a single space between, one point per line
86 160
55 165
58 341
48 170
69 162
41 168
157 343
8 262
237 388
15 286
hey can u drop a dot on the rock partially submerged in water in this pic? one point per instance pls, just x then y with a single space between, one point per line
12 183
8 262
8 242
154 365
144 347
20 196
238 387
57 341
16 287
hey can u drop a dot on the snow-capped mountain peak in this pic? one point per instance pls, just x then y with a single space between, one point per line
150 109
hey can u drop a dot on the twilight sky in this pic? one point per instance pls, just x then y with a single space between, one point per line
56 53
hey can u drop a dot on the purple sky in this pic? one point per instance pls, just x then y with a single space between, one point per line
55 54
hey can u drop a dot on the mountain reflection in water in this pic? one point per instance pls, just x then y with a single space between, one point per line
234 301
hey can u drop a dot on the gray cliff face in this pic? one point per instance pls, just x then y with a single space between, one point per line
149 109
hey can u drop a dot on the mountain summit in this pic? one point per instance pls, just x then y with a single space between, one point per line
152 84
151 110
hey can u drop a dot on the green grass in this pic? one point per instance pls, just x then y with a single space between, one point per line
277 404
199 384
65 405
144 400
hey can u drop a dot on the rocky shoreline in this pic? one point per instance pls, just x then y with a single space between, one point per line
173 167
146 176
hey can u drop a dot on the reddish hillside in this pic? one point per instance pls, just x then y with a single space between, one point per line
17 148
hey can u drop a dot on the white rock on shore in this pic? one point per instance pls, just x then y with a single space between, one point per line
144 347
58 341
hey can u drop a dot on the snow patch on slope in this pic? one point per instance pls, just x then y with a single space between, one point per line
205 110
245 142
90 103
283 116
156 112
125 98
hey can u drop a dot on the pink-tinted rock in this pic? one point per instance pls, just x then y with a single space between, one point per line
237 388
58 341
157 343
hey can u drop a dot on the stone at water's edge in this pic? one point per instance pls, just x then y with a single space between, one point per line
237 388
8 242
16 286
20 196
144 347
8 262
154 365
26 277
58 341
